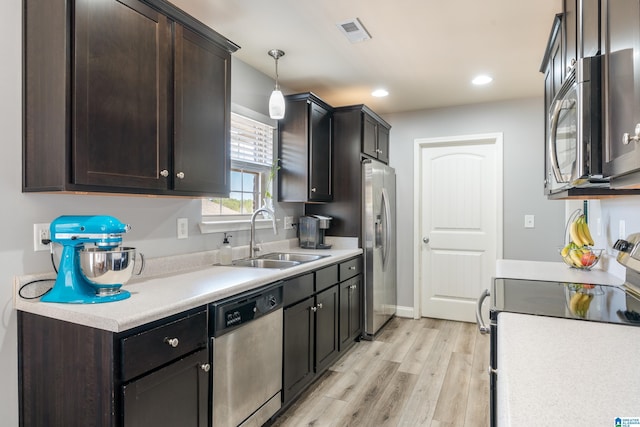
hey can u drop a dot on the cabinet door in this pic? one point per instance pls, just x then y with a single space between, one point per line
622 45
176 395
383 144
122 81
326 327
299 348
350 311
590 37
319 154
570 21
201 115
369 136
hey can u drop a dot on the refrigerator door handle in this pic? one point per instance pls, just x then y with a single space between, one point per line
387 231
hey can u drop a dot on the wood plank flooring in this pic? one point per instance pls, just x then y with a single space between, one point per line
425 372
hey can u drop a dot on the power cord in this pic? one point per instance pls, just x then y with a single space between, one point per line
46 242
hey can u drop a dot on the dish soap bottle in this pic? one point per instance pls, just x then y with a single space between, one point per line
226 251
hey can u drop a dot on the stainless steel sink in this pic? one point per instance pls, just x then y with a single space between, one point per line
265 263
286 256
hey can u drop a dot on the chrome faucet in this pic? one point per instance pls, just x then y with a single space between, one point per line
252 241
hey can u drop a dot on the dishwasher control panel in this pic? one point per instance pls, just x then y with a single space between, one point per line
226 315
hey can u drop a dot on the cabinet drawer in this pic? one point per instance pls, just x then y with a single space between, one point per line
297 289
326 277
155 347
350 268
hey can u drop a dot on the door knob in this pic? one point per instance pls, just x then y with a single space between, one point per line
425 240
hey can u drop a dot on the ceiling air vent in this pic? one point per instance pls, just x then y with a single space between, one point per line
354 30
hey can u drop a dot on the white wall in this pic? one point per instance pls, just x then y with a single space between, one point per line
522 125
153 220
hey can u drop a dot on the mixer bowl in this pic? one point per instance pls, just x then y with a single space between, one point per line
107 269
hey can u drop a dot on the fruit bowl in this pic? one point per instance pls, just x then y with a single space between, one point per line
584 258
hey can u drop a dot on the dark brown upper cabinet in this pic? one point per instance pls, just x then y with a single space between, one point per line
305 145
375 136
124 96
621 29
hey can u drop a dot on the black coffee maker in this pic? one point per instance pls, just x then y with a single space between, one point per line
312 230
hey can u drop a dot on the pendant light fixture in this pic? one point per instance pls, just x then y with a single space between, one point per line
276 101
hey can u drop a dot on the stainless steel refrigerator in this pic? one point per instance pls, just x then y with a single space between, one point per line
379 244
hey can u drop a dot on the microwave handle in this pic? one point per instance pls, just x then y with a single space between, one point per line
558 106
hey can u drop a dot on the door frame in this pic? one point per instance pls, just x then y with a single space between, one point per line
419 144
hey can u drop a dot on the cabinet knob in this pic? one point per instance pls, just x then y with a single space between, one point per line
626 138
353 267
180 175
164 173
314 309
173 342
313 190
319 305
205 367
352 287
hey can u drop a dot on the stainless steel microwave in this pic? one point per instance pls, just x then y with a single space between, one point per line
574 148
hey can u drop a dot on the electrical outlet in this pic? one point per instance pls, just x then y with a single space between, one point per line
288 222
40 232
529 221
183 228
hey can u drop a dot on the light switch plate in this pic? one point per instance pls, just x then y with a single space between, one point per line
529 221
183 228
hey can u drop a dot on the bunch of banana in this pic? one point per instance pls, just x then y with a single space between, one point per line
579 304
578 252
579 232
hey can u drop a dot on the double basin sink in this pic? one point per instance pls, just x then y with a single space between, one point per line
277 260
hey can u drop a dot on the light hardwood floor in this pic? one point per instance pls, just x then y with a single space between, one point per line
425 372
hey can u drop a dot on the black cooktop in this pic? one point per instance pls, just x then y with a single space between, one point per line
585 301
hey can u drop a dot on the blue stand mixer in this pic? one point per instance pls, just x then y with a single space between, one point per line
90 275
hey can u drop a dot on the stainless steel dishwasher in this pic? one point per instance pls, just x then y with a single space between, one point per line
246 356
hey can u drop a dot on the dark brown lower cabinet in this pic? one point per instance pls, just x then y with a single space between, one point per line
350 311
299 348
172 396
327 318
73 375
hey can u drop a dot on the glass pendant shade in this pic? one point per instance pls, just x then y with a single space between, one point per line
276 101
276 105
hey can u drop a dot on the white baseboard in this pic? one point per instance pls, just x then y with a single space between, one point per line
404 312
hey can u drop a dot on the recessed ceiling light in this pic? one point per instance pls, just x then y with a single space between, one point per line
481 80
379 93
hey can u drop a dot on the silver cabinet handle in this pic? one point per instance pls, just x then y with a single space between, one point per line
173 342
313 190
481 326
314 309
353 267
425 240
352 287
319 305
180 175
164 173
205 367
626 138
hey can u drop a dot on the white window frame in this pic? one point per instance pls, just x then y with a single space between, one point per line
226 223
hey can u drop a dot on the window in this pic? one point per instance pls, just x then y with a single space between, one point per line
251 162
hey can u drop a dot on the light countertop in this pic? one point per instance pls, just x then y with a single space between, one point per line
563 372
158 297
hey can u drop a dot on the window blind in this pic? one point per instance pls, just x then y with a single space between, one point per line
251 141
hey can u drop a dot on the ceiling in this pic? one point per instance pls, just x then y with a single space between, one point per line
424 52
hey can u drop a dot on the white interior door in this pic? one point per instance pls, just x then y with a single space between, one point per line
459 218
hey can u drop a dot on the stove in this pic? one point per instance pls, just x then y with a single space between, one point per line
583 301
